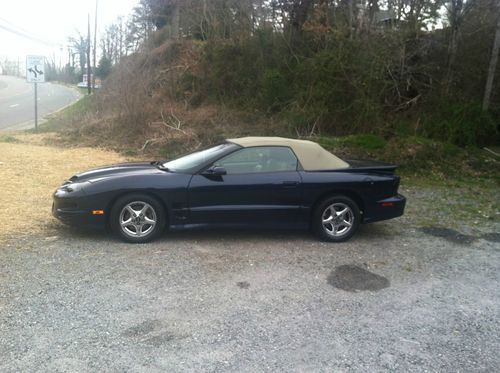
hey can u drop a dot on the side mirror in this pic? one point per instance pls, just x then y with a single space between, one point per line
215 171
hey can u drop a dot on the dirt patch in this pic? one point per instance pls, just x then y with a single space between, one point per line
449 235
353 278
30 174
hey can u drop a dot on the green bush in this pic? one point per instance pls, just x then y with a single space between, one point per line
341 88
298 122
276 90
462 124
367 142
229 76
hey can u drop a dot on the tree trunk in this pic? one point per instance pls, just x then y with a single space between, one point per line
492 68
373 8
94 52
323 12
351 18
251 16
205 22
175 21
121 39
89 70
299 14
455 21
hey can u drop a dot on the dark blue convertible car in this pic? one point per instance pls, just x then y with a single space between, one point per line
252 181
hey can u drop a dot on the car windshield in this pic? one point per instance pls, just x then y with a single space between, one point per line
196 159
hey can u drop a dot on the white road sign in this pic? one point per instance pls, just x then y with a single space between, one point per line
35 69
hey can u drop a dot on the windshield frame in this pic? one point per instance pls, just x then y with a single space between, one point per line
228 148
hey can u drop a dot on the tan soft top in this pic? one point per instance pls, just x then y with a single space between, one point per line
312 156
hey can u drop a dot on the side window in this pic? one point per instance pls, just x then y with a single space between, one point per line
259 159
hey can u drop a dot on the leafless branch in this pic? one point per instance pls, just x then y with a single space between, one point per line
150 141
172 122
492 152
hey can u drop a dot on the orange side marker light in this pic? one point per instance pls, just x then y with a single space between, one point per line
97 212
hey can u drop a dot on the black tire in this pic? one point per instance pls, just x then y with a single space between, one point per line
323 210
154 211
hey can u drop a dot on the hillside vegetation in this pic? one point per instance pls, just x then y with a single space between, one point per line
206 70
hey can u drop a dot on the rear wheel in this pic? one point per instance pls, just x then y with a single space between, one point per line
137 218
336 219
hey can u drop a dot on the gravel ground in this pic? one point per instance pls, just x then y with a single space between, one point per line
395 298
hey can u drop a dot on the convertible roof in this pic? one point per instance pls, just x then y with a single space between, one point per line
312 156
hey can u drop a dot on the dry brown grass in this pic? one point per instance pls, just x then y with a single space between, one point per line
30 172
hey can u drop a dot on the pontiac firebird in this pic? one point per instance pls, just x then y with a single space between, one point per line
251 181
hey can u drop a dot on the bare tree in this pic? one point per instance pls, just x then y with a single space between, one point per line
79 44
89 69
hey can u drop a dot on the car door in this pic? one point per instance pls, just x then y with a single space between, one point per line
261 186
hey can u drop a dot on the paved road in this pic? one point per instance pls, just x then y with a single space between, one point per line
17 101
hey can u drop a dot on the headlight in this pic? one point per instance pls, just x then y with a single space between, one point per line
70 188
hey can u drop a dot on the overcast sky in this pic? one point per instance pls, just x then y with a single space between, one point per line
52 21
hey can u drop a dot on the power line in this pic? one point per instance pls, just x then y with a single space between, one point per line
27 36
18 28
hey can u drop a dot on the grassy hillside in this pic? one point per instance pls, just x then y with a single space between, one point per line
175 97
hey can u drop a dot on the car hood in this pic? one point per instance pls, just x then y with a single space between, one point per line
121 169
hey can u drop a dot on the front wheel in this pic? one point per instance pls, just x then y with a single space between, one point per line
336 219
137 218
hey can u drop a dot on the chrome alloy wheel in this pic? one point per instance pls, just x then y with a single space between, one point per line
337 219
138 219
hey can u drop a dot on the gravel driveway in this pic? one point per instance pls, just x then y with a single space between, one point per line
396 298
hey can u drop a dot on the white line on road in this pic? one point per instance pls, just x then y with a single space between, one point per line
14 105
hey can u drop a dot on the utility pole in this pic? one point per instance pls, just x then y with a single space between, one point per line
89 70
95 44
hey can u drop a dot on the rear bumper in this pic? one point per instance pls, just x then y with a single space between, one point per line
388 208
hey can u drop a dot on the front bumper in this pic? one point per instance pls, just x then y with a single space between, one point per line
75 212
388 208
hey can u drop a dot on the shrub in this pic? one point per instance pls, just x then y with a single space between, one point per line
368 142
276 90
462 124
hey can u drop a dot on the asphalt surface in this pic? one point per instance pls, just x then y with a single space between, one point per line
394 298
17 101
